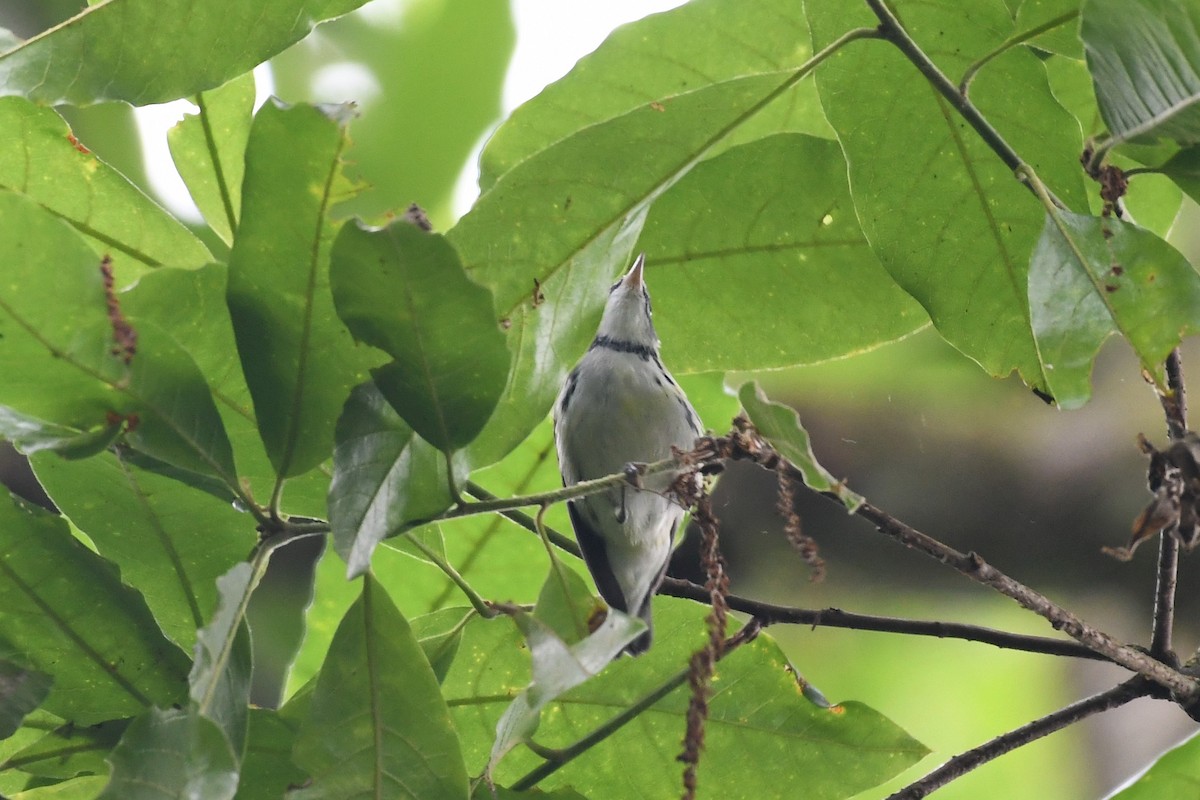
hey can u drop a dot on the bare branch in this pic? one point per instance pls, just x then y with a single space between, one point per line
1006 743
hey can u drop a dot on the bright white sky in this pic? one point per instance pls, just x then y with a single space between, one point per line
551 36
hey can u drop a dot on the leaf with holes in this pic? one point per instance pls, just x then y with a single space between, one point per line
1092 277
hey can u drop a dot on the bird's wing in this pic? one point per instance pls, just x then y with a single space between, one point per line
595 554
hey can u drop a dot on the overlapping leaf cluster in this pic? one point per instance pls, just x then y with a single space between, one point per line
312 368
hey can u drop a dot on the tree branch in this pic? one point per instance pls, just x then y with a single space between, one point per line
1006 743
1174 404
1185 689
770 614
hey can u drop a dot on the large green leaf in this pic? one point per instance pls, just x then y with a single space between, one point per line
298 357
267 770
589 194
404 291
190 305
70 358
172 755
1092 277
944 214
756 713
772 213
384 476
377 722
170 541
43 160
101 646
1144 56
699 44
151 51
1172 777
209 150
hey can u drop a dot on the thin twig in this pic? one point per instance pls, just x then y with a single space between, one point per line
974 567
1006 743
770 614
1174 403
1016 39
569 753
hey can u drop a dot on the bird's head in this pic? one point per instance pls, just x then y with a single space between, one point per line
627 315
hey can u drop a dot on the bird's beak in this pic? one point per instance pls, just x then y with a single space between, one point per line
633 278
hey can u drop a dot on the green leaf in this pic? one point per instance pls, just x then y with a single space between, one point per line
149 526
378 722
190 305
591 190
1058 22
152 51
566 605
102 647
404 291
780 426
1144 56
43 161
1172 776
220 678
757 713
267 770
21 691
1184 169
298 358
209 151
439 634
83 788
72 359
384 476
696 45
1092 277
943 213
558 666
172 754
69 750
30 435
773 213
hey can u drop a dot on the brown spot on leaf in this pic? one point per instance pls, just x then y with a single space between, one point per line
78 145
124 335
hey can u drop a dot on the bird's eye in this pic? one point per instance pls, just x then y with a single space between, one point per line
613 288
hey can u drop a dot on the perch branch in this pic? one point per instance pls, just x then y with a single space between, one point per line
1174 403
1006 743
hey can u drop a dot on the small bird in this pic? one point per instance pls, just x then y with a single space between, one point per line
621 405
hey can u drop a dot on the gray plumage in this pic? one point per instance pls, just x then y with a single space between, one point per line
621 405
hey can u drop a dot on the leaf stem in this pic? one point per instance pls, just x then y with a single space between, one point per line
1006 743
480 605
893 31
1009 43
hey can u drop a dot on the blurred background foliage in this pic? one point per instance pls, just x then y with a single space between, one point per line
915 426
